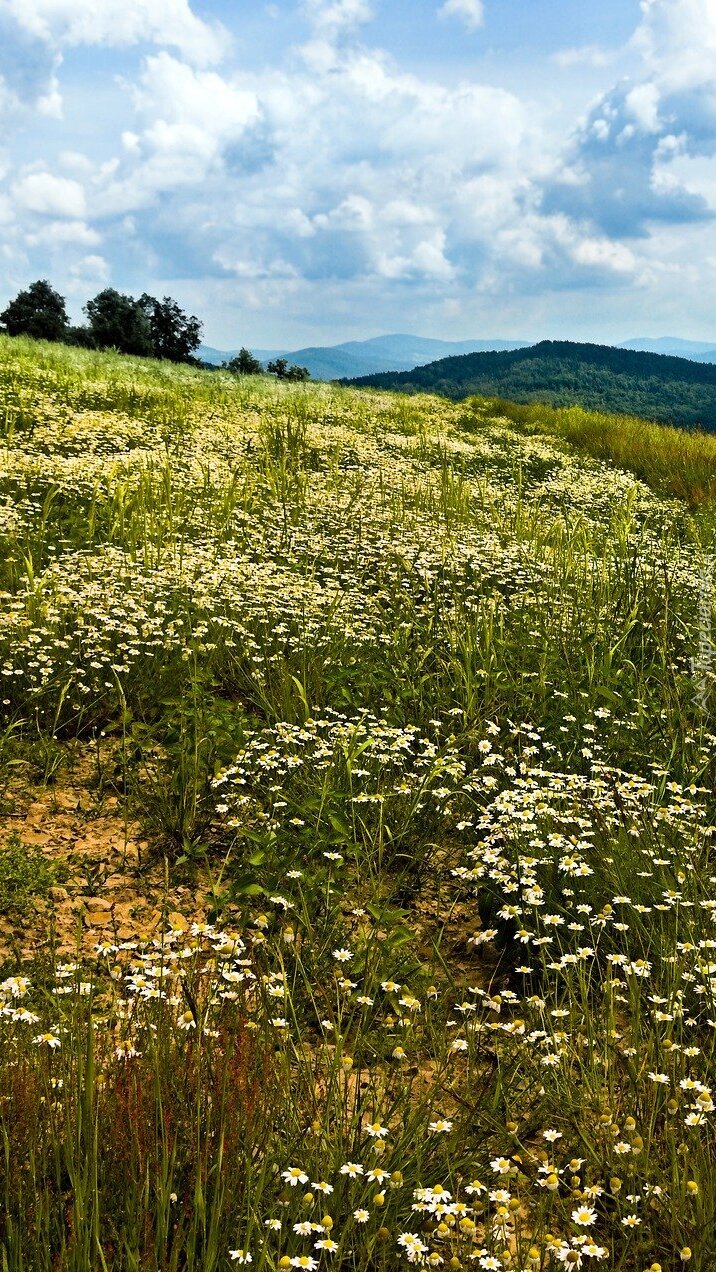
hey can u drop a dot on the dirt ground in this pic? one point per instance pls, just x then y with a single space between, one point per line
100 892
112 884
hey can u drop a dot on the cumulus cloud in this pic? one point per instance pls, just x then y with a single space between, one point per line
187 119
336 180
62 234
90 269
333 25
61 23
642 103
470 11
356 171
49 195
333 17
584 55
621 171
677 40
190 110
601 252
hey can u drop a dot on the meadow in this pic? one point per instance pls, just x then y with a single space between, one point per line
390 720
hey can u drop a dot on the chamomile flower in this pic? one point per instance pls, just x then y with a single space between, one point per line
294 1176
584 1216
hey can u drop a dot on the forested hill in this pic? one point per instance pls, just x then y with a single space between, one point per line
564 373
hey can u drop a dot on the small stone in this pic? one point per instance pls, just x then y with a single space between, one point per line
63 799
178 921
97 918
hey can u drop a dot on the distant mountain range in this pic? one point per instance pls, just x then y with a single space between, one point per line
363 357
601 377
694 350
403 353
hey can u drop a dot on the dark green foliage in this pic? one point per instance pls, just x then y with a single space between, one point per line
174 334
119 322
147 327
80 337
177 758
38 312
280 368
597 377
24 874
244 363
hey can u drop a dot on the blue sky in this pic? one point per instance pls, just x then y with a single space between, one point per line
310 171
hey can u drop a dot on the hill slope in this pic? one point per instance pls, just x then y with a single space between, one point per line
370 739
563 373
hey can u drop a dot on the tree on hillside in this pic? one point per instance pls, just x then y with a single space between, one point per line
280 368
80 337
39 311
175 335
244 363
119 322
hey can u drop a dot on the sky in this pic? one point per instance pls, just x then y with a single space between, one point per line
312 171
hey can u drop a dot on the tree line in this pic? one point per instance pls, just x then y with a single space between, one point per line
245 363
146 327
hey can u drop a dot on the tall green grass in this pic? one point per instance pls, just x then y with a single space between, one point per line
416 700
673 461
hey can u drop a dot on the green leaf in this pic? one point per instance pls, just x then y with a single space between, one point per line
339 824
604 692
396 938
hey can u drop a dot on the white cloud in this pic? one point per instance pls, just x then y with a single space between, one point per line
188 117
429 259
332 17
632 149
49 195
677 40
367 173
63 234
190 109
248 269
62 23
584 55
604 254
49 103
173 94
642 103
472 124
91 269
333 22
335 182
471 12
355 212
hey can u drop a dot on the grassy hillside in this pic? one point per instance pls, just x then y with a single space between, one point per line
356 869
672 461
562 373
